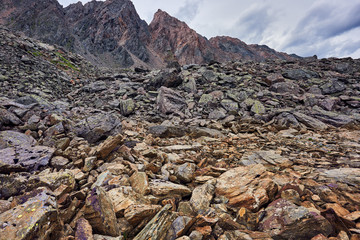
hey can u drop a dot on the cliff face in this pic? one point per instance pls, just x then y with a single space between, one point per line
112 34
171 36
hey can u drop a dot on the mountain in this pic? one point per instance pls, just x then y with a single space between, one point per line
111 34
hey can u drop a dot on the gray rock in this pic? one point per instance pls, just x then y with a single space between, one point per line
98 126
217 114
164 131
334 86
15 139
27 158
127 107
310 121
202 196
299 74
170 101
286 87
185 172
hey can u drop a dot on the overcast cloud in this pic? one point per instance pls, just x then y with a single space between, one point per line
327 28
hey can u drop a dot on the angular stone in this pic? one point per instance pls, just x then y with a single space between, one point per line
258 108
140 183
310 121
127 107
8 118
83 230
36 218
333 86
185 172
4 206
168 189
250 186
180 226
100 213
345 175
285 87
122 198
206 99
98 126
163 131
59 162
27 158
135 214
106 147
170 101
15 139
285 220
217 114
202 196
267 158
158 227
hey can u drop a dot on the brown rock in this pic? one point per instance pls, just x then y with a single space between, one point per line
140 183
164 188
106 147
285 220
100 213
202 195
36 218
4 206
135 214
247 186
159 225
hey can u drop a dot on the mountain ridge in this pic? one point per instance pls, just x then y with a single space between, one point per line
111 33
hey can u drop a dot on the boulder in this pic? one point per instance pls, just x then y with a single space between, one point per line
35 218
170 101
285 220
98 127
100 213
247 186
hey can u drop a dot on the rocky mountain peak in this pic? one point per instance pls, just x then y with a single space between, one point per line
110 33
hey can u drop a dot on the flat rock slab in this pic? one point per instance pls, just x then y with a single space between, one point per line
176 148
25 158
15 139
36 218
344 175
165 188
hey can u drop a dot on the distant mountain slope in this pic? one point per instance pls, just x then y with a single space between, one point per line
112 34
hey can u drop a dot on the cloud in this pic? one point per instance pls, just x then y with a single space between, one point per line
189 10
323 28
252 24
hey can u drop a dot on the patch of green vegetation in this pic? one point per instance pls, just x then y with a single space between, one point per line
36 53
64 62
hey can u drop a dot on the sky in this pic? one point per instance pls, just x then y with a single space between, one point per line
326 28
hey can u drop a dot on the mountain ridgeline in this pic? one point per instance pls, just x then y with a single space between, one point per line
111 34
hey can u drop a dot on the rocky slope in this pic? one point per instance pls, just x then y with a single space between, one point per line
240 150
111 34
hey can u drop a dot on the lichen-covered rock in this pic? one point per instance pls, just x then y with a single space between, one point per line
127 107
36 218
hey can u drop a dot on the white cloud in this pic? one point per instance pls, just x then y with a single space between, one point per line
307 27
